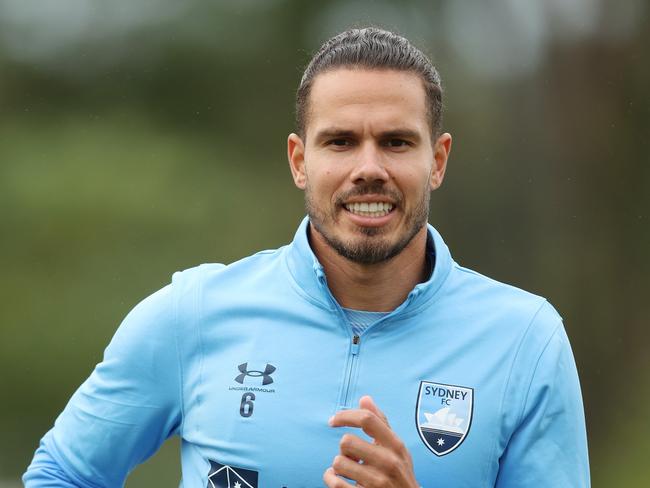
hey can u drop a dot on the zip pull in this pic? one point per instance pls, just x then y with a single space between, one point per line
356 340
319 273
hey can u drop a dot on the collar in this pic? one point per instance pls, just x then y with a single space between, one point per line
309 274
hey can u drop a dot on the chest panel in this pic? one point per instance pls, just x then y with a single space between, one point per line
264 399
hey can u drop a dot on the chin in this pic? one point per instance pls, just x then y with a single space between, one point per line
365 245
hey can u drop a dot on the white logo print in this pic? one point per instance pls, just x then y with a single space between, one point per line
224 476
443 415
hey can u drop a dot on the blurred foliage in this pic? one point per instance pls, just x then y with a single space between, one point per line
141 138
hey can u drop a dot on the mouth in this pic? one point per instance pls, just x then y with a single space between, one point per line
369 209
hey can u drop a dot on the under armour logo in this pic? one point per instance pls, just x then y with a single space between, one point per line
266 374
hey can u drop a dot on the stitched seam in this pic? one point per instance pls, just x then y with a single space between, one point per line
532 376
539 359
181 371
512 365
198 321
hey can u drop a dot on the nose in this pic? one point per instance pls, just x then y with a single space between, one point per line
370 166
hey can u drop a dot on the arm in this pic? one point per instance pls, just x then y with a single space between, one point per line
549 444
124 411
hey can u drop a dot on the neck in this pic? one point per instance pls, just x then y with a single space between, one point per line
380 287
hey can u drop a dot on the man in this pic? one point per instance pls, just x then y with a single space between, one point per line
358 354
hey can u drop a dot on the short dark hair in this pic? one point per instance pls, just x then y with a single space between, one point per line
371 48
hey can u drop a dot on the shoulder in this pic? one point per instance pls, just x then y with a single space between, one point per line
520 311
525 331
218 273
254 272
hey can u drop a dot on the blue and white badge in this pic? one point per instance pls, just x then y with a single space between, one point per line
443 415
224 476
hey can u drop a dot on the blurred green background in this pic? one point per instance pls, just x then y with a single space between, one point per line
140 138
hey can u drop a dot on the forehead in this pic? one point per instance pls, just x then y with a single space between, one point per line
370 98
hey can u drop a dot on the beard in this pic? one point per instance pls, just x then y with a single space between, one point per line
370 247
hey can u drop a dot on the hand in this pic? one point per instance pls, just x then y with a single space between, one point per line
383 464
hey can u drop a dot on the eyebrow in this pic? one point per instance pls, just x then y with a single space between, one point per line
333 132
401 134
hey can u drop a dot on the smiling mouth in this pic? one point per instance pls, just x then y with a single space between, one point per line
369 209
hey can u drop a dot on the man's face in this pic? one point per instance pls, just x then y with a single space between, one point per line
368 162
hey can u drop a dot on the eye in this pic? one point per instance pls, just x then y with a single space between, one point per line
397 143
339 142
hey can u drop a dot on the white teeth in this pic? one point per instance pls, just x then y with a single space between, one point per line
373 209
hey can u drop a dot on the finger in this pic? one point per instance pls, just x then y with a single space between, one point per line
357 449
333 481
363 474
369 422
367 402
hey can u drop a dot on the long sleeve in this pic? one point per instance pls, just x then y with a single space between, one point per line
124 411
548 447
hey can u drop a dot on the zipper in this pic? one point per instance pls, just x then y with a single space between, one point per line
355 343
353 351
352 361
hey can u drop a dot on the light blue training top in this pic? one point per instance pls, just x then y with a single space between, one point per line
247 362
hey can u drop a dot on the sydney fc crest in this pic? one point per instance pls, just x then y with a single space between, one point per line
443 415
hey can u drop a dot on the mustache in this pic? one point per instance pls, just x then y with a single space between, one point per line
375 188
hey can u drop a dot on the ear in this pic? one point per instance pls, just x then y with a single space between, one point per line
441 150
296 154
